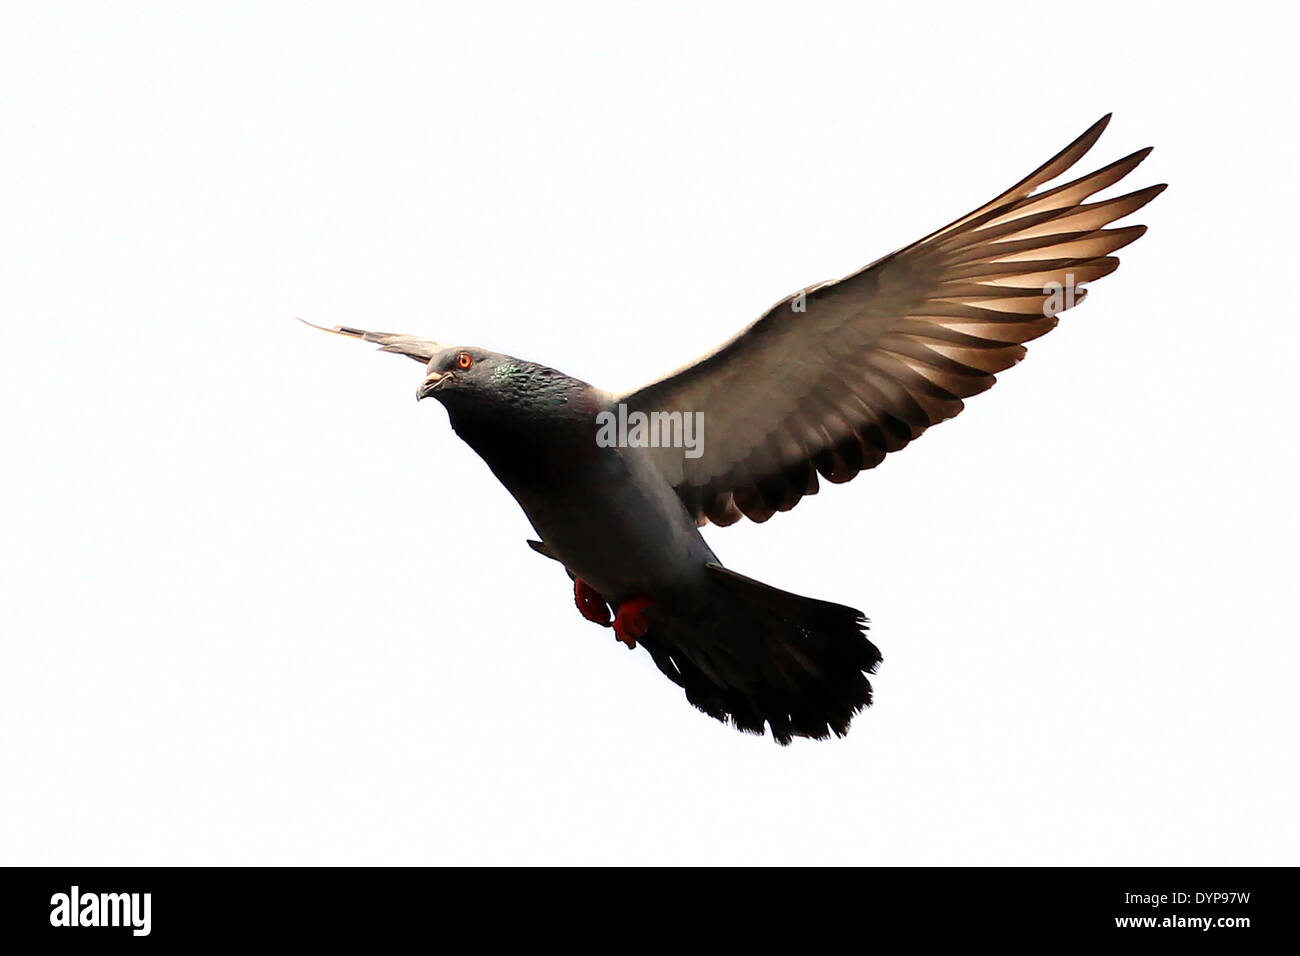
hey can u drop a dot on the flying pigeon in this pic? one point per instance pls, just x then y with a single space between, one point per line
827 383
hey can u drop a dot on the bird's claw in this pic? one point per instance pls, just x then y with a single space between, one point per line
590 603
631 622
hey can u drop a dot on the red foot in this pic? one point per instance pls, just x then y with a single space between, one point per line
631 622
590 603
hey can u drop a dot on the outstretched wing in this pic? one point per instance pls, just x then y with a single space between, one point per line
835 377
419 349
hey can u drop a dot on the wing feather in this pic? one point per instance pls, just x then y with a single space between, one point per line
422 350
876 358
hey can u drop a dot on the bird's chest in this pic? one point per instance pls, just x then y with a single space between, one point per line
535 460
621 530
606 513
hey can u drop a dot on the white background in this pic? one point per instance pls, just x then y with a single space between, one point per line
258 606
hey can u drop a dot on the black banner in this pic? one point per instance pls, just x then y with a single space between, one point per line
136 906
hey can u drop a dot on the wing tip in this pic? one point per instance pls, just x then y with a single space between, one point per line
335 329
1090 136
313 325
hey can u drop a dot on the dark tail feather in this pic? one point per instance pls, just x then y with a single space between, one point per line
760 656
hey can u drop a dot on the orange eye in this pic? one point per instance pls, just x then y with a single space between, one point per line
464 360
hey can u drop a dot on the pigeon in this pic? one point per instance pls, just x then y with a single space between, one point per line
825 385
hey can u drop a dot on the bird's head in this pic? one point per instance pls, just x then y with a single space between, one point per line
466 378
483 383
462 370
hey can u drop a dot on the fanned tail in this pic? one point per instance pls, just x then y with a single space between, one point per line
759 657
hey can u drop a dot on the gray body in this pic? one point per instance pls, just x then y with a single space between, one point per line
587 528
607 514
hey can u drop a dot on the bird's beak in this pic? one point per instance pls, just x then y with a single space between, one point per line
431 383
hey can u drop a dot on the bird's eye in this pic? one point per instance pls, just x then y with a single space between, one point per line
464 360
